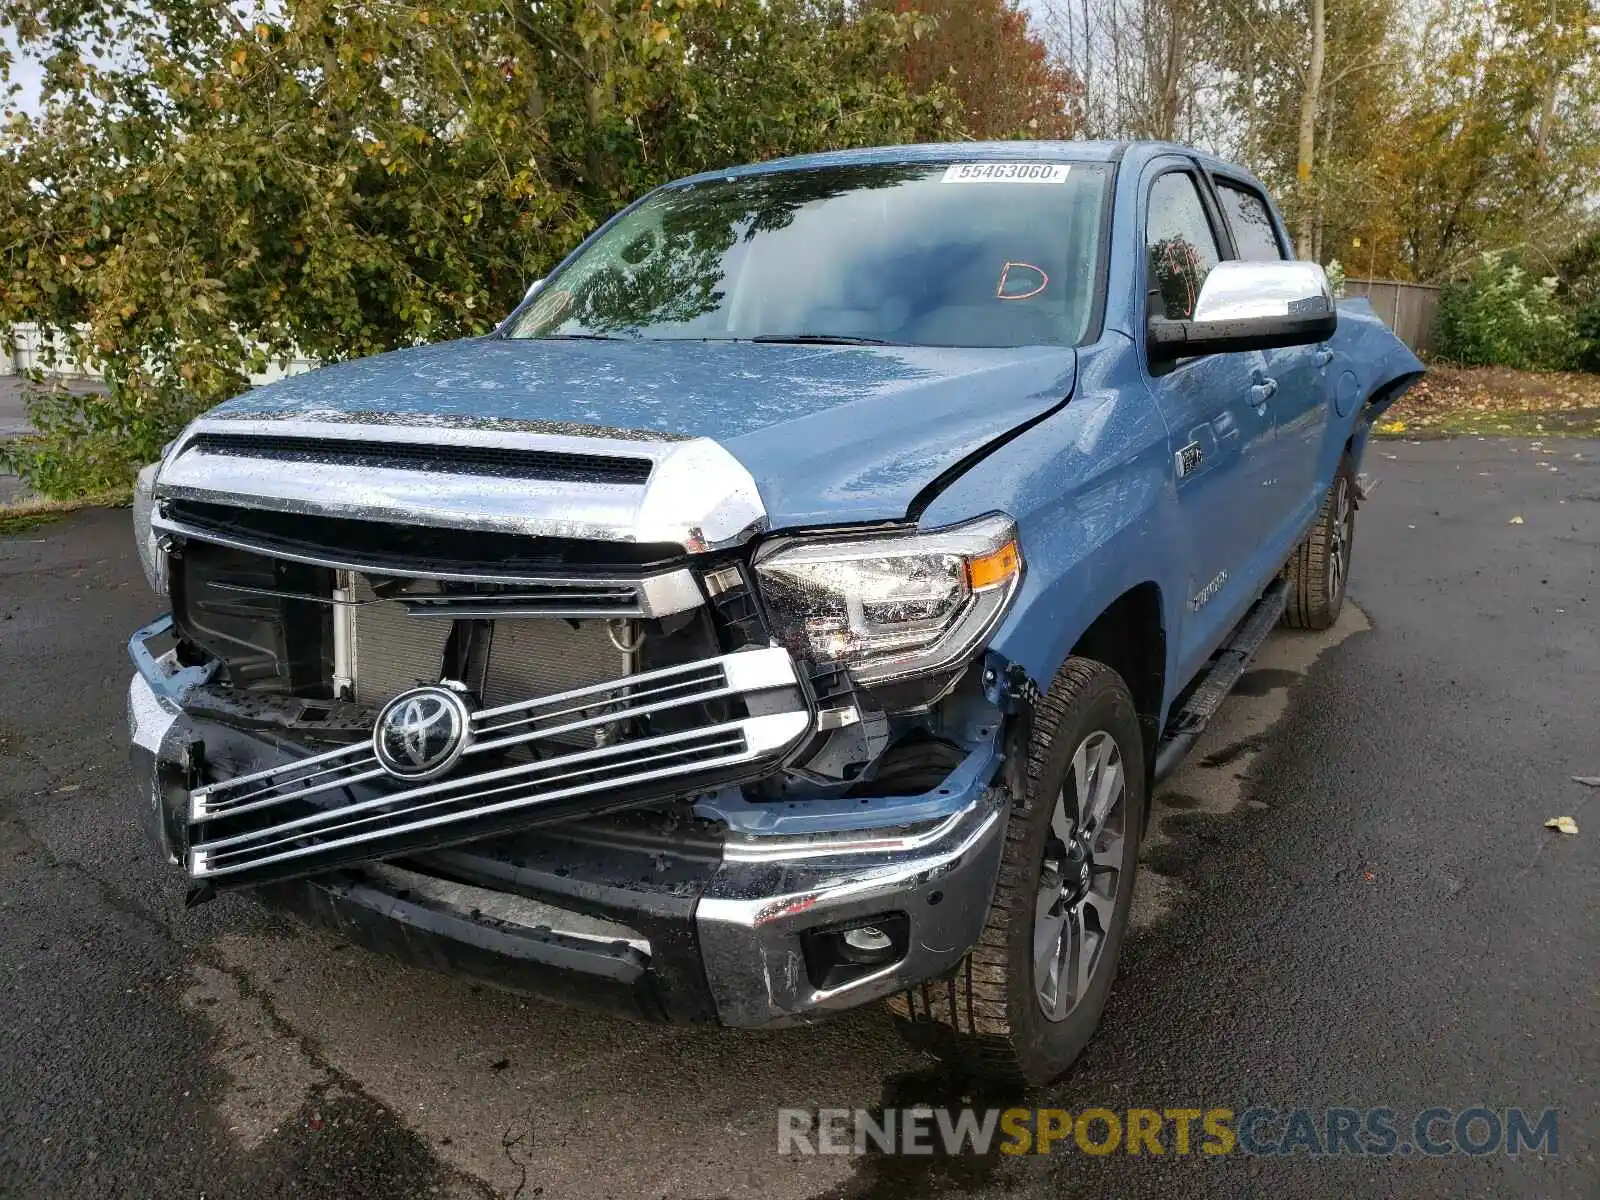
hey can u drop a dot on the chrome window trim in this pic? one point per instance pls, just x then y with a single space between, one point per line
698 496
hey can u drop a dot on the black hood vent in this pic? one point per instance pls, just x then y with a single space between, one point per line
502 462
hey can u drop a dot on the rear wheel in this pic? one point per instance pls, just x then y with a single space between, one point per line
1319 569
1025 1002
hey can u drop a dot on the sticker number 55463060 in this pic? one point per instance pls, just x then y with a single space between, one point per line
1006 172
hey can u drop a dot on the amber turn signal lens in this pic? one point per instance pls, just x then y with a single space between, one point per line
995 567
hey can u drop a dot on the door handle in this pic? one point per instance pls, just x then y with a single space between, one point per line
1324 356
1263 391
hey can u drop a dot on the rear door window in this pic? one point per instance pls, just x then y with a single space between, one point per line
1250 222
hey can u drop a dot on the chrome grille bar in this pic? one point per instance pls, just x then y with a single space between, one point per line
726 743
690 683
657 594
390 809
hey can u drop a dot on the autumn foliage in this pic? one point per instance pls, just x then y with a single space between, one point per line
1004 77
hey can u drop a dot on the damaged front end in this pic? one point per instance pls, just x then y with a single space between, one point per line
511 682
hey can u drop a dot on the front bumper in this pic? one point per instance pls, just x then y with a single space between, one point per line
672 916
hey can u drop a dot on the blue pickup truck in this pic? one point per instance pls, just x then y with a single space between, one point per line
790 606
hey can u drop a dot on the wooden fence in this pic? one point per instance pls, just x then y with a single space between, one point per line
1410 309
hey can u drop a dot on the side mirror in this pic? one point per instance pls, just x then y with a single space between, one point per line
1250 306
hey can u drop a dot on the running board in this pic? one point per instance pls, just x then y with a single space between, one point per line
1222 673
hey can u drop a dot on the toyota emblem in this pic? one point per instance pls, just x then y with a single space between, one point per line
421 733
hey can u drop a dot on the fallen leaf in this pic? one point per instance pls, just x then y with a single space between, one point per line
1564 825
1516 521
1587 780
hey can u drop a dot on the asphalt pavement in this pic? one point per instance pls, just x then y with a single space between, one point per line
1348 899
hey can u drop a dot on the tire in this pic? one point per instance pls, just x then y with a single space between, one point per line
1319 569
989 1017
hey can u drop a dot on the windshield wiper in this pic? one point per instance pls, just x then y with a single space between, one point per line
820 339
587 337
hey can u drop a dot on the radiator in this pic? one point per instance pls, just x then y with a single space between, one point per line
529 657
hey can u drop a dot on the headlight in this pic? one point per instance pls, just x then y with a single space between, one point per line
896 606
151 557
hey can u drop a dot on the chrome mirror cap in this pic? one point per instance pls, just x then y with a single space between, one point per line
1246 306
1243 291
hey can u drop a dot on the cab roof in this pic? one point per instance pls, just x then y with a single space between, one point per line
931 152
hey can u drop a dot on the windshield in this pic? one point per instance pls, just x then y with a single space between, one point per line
962 254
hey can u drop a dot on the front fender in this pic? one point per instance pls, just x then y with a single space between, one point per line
1090 490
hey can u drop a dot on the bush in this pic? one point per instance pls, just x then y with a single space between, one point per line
1578 287
1586 331
1503 316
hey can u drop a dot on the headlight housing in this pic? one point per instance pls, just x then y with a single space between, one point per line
151 557
894 606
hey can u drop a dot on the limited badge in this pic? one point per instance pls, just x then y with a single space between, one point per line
1188 459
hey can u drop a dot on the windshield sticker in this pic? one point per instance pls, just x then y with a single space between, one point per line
1006 172
1020 281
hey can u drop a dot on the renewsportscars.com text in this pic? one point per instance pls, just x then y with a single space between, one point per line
1474 1130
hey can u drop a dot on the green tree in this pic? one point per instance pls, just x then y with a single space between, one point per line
1495 140
207 189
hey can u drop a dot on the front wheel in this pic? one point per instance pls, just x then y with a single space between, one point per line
1025 1002
1319 570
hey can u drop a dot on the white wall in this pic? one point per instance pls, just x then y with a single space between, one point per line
26 351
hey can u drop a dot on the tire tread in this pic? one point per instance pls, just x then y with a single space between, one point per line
1306 572
969 1021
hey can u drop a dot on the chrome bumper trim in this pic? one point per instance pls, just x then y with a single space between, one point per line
150 716
941 874
697 496
508 908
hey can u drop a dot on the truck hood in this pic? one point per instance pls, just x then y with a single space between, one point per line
831 434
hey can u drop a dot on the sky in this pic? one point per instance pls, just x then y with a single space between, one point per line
25 72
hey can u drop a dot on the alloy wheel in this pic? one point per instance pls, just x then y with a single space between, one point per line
1341 539
1079 881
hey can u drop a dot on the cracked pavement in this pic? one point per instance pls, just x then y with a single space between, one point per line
1348 899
